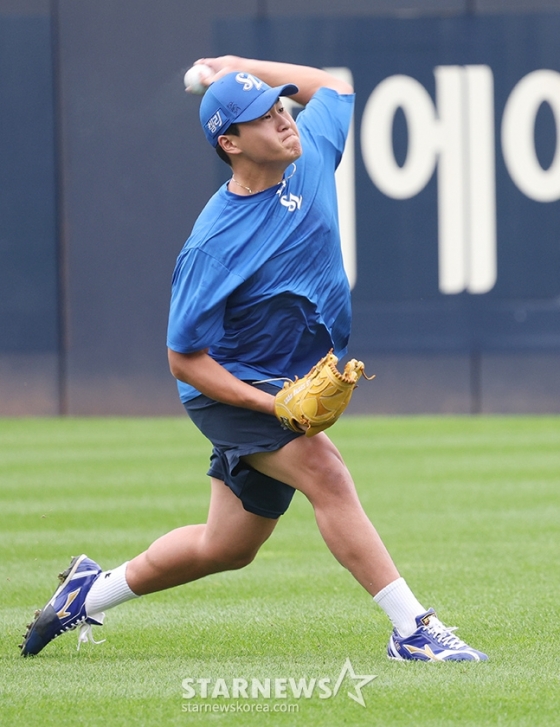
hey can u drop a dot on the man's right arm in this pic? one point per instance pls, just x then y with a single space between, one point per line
308 79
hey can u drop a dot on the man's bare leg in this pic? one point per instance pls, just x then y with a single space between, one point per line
314 467
230 539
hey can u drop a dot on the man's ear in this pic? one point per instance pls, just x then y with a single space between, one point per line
229 144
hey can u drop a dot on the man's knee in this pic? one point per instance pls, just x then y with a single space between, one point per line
232 559
324 476
241 560
328 468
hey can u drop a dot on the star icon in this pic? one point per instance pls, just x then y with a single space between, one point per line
363 680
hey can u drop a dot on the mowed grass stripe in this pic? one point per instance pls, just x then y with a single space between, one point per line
469 507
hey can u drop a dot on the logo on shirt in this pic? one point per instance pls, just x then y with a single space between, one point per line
249 82
293 202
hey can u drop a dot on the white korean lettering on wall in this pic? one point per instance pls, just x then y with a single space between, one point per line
457 134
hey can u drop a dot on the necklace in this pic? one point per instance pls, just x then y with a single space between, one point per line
282 182
234 180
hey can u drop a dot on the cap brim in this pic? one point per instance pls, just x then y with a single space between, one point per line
265 102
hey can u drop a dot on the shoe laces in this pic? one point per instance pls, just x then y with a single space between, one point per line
85 634
85 628
444 634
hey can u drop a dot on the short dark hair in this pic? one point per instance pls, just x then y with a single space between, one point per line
234 131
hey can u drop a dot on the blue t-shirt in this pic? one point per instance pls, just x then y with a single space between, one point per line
260 281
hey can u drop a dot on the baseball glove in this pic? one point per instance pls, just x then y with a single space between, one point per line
314 402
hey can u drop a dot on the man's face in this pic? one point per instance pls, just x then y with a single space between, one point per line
273 137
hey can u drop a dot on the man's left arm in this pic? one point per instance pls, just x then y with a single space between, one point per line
211 379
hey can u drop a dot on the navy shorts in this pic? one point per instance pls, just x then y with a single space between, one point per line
234 433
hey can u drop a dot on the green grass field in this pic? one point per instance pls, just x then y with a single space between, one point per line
469 508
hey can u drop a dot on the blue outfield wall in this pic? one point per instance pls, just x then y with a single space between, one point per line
29 302
450 195
28 242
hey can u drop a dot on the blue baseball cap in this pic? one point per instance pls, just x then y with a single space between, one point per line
235 98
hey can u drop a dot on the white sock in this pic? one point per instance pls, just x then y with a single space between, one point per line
400 604
109 590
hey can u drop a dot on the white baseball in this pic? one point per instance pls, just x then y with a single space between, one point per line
193 78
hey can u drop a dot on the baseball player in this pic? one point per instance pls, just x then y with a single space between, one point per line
259 294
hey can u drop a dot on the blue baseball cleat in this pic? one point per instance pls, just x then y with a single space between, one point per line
66 609
432 641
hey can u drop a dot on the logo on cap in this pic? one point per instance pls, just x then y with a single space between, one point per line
215 123
249 81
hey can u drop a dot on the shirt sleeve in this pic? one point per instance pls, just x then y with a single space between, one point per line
326 120
199 292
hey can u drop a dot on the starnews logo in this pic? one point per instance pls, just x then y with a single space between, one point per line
243 690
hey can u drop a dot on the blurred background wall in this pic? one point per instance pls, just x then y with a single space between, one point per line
451 191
